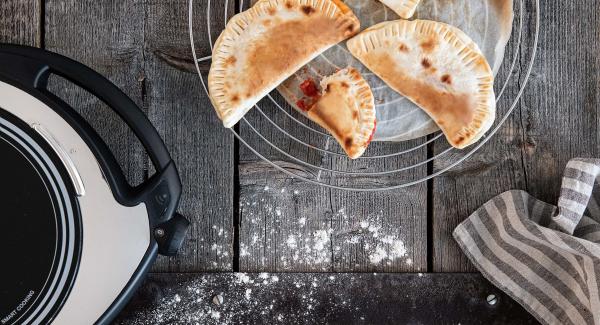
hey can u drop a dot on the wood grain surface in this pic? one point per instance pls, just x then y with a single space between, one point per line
247 216
20 22
493 169
202 149
291 225
556 120
100 36
560 111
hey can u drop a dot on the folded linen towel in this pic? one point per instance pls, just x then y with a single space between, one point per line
547 258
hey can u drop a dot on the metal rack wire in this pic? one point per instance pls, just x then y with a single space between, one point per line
291 143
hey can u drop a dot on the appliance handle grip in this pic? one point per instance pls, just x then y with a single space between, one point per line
160 192
111 95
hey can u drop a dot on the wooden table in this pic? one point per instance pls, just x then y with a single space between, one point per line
247 217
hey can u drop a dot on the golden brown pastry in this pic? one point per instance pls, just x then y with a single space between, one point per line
346 109
438 68
267 43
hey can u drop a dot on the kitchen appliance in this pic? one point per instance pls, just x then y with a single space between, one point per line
76 238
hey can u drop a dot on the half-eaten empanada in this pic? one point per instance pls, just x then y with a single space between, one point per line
267 43
346 109
403 8
438 68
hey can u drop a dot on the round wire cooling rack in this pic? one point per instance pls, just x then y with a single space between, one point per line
289 142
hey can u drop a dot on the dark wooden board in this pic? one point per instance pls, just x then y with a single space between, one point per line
202 149
20 22
318 298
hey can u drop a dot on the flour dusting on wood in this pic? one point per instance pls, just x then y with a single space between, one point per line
279 233
231 297
318 298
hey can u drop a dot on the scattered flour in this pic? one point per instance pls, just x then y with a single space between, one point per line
244 250
371 241
322 239
242 278
215 314
253 298
291 241
378 255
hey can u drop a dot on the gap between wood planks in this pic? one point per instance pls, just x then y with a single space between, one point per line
236 187
430 153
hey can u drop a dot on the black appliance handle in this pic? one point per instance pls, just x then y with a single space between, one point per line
31 67
100 87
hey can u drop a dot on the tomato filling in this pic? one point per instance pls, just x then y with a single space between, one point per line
310 90
302 105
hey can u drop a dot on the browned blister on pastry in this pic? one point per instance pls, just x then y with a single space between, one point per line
438 68
267 43
346 109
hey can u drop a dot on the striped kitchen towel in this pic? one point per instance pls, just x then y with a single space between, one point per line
547 258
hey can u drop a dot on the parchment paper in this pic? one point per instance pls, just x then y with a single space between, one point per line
487 22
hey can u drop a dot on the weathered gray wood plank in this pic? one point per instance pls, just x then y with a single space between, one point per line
290 225
556 120
106 36
493 169
305 298
560 115
20 22
200 146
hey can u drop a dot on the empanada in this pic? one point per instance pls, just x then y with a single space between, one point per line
346 109
267 43
403 8
438 68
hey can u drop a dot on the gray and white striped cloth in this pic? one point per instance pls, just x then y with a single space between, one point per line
547 258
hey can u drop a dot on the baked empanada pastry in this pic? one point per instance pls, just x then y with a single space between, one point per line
346 109
267 43
438 68
403 8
